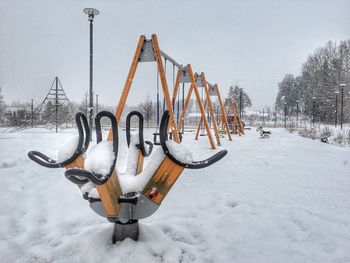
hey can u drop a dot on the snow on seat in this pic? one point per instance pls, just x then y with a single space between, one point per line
100 159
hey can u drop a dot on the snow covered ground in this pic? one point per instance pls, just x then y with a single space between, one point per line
283 199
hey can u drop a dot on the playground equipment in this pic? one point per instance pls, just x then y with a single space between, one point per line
263 134
211 90
234 121
124 198
186 75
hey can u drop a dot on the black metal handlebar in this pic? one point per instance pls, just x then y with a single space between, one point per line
83 144
141 144
80 176
163 130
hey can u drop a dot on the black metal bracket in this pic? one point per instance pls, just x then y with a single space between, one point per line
80 176
141 138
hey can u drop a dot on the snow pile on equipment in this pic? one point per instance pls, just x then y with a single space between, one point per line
180 152
124 198
68 149
100 158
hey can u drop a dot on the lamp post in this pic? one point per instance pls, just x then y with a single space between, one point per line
313 111
342 104
91 12
336 108
297 112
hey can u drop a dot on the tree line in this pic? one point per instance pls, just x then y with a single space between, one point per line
317 88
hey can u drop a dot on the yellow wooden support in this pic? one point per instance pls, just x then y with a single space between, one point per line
201 108
223 114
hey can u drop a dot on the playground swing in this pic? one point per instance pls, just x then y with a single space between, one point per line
124 208
213 90
185 75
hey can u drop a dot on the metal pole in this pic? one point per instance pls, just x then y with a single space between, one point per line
56 105
183 106
91 80
32 112
91 12
285 116
96 103
336 110
313 113
297 113
341 109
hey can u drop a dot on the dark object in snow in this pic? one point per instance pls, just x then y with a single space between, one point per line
263 134
324 139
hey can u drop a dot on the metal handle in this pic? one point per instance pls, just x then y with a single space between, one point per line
83 144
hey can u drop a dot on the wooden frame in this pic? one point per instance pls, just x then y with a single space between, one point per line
193 88
208 102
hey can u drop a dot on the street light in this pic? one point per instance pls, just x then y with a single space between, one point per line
342 104
91 12
313 111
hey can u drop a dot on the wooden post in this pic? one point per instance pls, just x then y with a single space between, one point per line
187 101
162 76
206 88
200 123
201 108
176 87
223 114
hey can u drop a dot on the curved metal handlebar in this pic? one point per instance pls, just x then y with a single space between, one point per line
141 144
80 176
163 130
83 144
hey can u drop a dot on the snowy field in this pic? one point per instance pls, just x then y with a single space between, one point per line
283 199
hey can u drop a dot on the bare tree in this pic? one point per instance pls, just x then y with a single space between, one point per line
147 109
2 106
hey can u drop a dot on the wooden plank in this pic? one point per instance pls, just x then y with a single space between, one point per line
109 194
223 114
176 87
162 181
160 66
211 111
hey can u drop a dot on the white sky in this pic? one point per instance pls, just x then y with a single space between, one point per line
253 43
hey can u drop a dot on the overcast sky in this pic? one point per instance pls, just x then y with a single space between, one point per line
253 43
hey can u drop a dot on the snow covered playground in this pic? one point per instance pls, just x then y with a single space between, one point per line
283 199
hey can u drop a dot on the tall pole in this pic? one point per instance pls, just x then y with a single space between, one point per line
96 103
32 112
342 105
285 116
56 105
336 109
297 113
240 104
183 106
313 111
91 12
